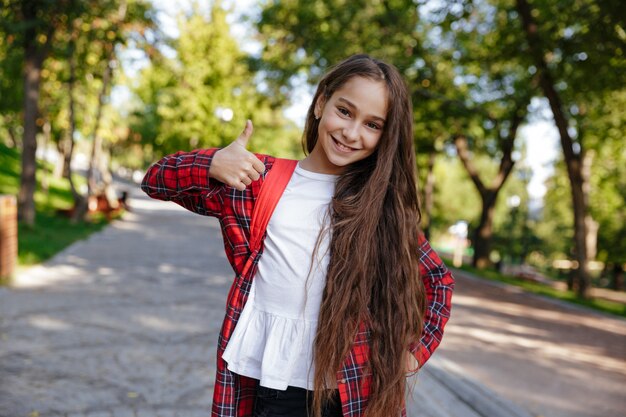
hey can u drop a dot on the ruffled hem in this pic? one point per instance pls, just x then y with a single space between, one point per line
273 349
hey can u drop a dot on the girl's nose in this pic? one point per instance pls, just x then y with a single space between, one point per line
351 132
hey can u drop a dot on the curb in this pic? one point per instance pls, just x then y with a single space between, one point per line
442 390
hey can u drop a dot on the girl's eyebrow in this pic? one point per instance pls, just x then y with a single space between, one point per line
350 104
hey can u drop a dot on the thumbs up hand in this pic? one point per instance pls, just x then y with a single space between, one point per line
234 165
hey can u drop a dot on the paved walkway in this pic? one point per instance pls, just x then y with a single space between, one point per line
555 359
126 322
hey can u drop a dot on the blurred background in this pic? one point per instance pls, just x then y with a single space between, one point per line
519 109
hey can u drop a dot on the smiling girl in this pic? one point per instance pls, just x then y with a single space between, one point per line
344 295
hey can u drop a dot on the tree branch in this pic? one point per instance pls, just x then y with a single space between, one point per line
462 150
507 163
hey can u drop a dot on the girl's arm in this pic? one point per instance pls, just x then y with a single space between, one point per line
197 180
439 285
184 178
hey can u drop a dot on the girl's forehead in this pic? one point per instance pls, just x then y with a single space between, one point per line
365 95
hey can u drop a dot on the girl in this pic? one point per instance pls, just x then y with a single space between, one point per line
323 318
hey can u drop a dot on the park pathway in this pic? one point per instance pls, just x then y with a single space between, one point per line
555 359
126 322
122 324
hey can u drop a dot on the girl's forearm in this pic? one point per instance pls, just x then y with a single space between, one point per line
184 178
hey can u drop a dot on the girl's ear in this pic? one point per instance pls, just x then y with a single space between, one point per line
319 106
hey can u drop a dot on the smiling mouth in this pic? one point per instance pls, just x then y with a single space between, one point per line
343 147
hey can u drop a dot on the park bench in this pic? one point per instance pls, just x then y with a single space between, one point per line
99 203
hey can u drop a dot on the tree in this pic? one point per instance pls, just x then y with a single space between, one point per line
33 23
572 47
488 193
36 25
456 198
481 90
81 55
602 123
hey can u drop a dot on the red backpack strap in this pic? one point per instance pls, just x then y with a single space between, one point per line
272 188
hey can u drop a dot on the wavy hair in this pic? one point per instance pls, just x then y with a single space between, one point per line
372 280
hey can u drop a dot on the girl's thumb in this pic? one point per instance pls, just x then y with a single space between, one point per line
245 135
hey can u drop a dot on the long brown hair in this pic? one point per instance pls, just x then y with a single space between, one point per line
372 276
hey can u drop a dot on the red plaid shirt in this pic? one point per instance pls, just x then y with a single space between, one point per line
184 179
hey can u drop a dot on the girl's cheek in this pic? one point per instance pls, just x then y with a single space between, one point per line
374 140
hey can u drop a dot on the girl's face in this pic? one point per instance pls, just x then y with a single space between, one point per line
351 124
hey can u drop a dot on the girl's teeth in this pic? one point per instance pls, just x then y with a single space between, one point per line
345 148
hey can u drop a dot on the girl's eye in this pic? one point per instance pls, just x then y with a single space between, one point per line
343 111
373 125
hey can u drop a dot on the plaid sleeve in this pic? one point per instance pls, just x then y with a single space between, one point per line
183 178
439 284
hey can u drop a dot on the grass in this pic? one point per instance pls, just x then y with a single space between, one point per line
598 304
50 235
52 232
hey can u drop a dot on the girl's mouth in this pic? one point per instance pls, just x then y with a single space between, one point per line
341 147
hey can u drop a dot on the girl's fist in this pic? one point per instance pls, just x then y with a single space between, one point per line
234 165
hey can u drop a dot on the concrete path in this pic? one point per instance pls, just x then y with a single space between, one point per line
126 322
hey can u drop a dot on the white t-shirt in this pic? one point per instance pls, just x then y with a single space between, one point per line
273 339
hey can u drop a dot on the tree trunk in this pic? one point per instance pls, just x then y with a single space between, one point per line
107 178
28 180
96 149
95 164
573 160
34 56
65 149
429 193
80 201
617 282
47 132
581 275
484 231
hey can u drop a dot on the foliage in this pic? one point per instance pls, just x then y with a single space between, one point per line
49 36
11 89
203 96
487 79
306 37
92 41
555 226
584 42
455 197
605 124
